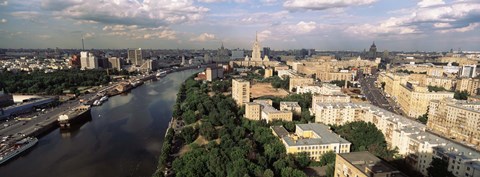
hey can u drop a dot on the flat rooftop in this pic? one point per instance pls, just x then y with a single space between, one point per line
323 135
365 160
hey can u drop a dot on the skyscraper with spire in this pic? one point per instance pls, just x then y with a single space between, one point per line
372 53
256 53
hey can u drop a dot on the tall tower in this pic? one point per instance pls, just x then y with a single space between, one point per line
256 54
373 51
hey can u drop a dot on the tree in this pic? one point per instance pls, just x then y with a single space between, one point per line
330 170
189 134
423 118
439 167
461 95
435 88
268 173
302 159
327 158
189 117
207 130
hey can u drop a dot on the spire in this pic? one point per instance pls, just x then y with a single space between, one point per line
222 44
256 36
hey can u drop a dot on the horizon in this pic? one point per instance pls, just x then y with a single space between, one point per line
341 25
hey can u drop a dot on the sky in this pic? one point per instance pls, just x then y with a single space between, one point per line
394 25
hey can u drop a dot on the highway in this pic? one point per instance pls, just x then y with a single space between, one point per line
374 94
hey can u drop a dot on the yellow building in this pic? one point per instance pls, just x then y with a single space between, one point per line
314 139
335 97
468 84
444 82
331 76
252 111
363 164
455 119
291 106
414 100
299 81
460 60
393 82
268 72
240 91
263 110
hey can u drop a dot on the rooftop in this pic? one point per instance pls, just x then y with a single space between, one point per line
322 134
365 160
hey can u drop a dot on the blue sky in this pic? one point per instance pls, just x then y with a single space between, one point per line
395 25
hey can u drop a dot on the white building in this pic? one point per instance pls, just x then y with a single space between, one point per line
468 71
88 61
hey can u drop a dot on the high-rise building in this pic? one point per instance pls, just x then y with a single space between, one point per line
470 85
468 71
222 54
240 91
266 51
256 53
135 56
372 53
114 62
88 61
456 119
213 72
363 164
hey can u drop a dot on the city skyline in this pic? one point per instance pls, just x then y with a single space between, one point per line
430 25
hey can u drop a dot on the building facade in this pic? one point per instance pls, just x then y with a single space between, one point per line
363 164
468 84
313 139
240 91
414 100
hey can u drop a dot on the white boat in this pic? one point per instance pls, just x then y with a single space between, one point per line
104 98
17 148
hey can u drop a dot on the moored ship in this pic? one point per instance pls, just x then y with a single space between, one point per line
10 151
74 116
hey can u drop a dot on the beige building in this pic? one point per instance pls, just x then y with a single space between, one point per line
331 76
456 119
291 106
468 84
240 91
314 89
393 82
314 139
335 113
268 72
299 81
414 143
363 164
263 110
213 73
334 97
445 82
414 100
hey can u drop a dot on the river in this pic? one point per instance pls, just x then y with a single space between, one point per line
124 137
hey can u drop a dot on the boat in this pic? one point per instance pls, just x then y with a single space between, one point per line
97 103
17 148
104 98
74 116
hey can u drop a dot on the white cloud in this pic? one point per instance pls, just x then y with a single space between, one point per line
203 37
3 20
427 3
470 27
442 25
4 3
26 15
263 35
89 35
44 36
323 4
211 1
303 27
136 32
146 13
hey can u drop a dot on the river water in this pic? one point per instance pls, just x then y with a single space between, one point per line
124 137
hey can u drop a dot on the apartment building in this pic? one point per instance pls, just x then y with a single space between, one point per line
456 119
240 91
468 84
314 139
331 76
291 106
299 81
414 99
263 110
411 138
363 164
315 89
392 82
335 113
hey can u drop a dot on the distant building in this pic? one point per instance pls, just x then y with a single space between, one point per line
237 54
222 54
256 53
88 60
372 53
240 91
363 164
213 72
256 59
266 51
470 85
299 81
135 56
114 62
314 139
291 106
468 71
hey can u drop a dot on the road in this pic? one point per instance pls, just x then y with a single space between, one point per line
374 94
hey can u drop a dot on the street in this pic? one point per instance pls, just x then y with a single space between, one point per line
374 94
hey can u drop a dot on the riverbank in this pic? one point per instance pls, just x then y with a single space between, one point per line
124 137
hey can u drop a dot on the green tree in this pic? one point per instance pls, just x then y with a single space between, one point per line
423 118
439 167
461 95
302 159
189 117
207 130
268 173
330 170
189 134
327 158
